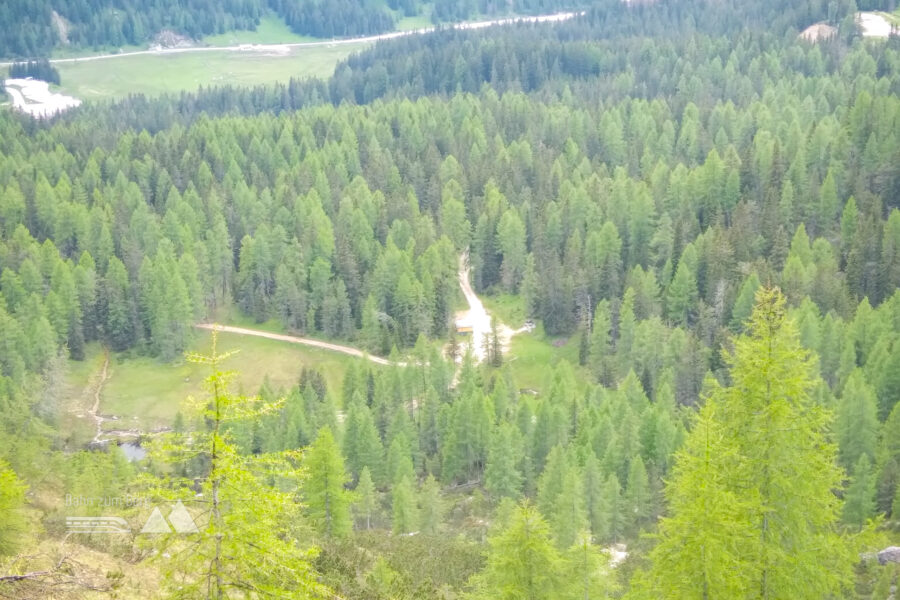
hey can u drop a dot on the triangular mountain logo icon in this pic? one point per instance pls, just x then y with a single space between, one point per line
181 519
156 523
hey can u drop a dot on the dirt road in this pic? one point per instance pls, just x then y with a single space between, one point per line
279 47
296 340
477 317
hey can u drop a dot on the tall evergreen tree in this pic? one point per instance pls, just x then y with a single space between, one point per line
755 485
522 562
327 502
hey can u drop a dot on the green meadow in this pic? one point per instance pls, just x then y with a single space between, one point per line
146 393
153 74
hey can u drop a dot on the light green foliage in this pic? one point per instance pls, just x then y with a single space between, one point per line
502 476
637 494
12 517
859 500
511 240
681 295
743 304
588 571
222 559
569 516
362 445
522 561
431 506
327 502
857 421
888 462
365 498
405 511
752 500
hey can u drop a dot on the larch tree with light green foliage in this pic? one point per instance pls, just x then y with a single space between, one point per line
743 304
587 570
752 503
698 556
550 483
327 502
857 421
431 506
600 344
637 495
611 504
888 462
405 511
681 296
859 499
241 547
522 562
502 477
569 516
365 497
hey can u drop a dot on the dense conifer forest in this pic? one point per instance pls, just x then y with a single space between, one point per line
706 206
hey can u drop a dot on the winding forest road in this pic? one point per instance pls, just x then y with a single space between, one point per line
325 43
296 340
476 316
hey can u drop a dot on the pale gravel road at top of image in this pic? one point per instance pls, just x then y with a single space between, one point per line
279 47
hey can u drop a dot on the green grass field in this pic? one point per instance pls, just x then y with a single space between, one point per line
533 356
417 22
156 74
271 30
146 393
893 17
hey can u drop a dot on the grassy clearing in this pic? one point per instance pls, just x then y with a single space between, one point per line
147 394
509 308
271 30
156 74
417 22
68 52
532 358
78 397
893 17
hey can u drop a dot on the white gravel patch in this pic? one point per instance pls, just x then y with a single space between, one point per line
874 25
478 318
33 97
